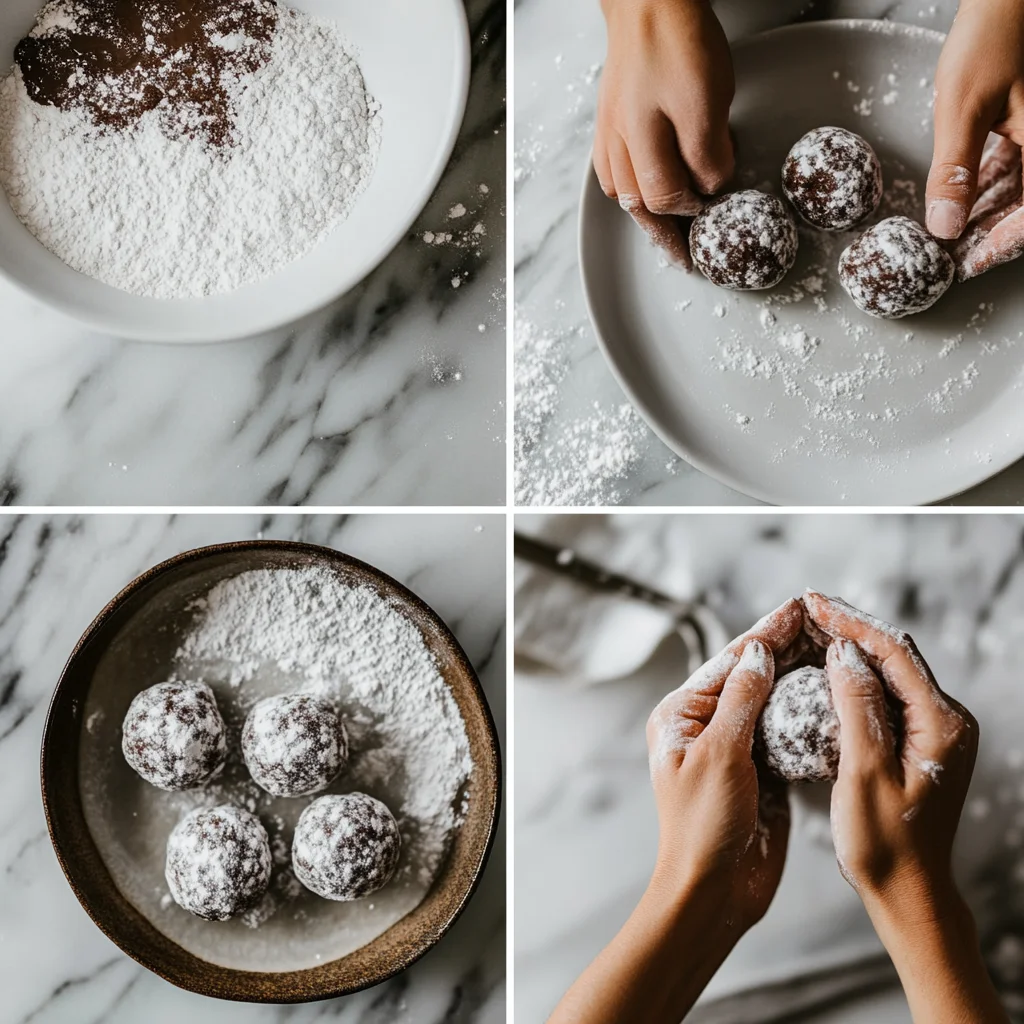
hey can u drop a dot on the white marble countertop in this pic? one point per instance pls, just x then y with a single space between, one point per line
585 824
578 441
56 967
395 395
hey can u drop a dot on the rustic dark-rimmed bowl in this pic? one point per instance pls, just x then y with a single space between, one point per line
190 575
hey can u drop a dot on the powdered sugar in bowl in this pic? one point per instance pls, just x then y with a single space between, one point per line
278 176
254 619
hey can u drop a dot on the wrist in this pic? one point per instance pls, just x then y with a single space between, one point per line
641 8
914 899
697 906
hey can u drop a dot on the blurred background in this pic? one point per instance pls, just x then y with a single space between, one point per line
593 658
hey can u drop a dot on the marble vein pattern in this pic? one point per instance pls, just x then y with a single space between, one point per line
578 441
394 395
56 967
585 821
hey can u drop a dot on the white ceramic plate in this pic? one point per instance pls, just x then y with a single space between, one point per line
881 412
416 61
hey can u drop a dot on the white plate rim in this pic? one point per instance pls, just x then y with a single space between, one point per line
591 193
461 79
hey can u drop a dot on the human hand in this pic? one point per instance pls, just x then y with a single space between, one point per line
895 812
723 828
662 136
995 232
979 88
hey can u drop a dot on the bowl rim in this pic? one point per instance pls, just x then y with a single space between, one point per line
235 984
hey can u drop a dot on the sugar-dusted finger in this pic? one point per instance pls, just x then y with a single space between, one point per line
743 696
893 654
674 725
660 172
665 232
866 741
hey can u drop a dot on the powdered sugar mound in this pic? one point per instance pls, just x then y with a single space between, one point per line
348 644
833 178
346 847
799 729
895 269
218 862
167 215
745 241
173 735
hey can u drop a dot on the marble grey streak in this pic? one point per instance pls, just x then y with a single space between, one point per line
560 45
393 395
586 830
56 573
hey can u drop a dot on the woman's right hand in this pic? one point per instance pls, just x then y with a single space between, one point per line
895 812
894 815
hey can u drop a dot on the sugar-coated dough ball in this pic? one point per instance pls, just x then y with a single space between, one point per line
346 847
745 241
799 730
173 735
218 862
833 179
294 745
895 269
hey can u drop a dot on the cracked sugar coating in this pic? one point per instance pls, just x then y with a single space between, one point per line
833 179
745 241
895 269
218 862
799 730
173 735
346 847
294 745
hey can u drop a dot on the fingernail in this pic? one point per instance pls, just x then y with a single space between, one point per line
755 658
946 218
688 206
848 654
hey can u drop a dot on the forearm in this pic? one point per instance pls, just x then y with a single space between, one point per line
933 943
658 964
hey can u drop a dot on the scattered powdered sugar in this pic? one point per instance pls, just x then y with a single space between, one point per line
158 211
592 454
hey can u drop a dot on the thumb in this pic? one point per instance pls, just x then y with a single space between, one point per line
865 738
744 695
960 133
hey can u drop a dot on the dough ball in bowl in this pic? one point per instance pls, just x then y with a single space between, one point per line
218 862
295 744
173 735
833 179
895 269
799 730
346 847
745 241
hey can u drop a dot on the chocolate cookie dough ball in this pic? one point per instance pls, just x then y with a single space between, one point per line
745 241
218 862
345 847
294 745
895 269
833 179
799 730
173 735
